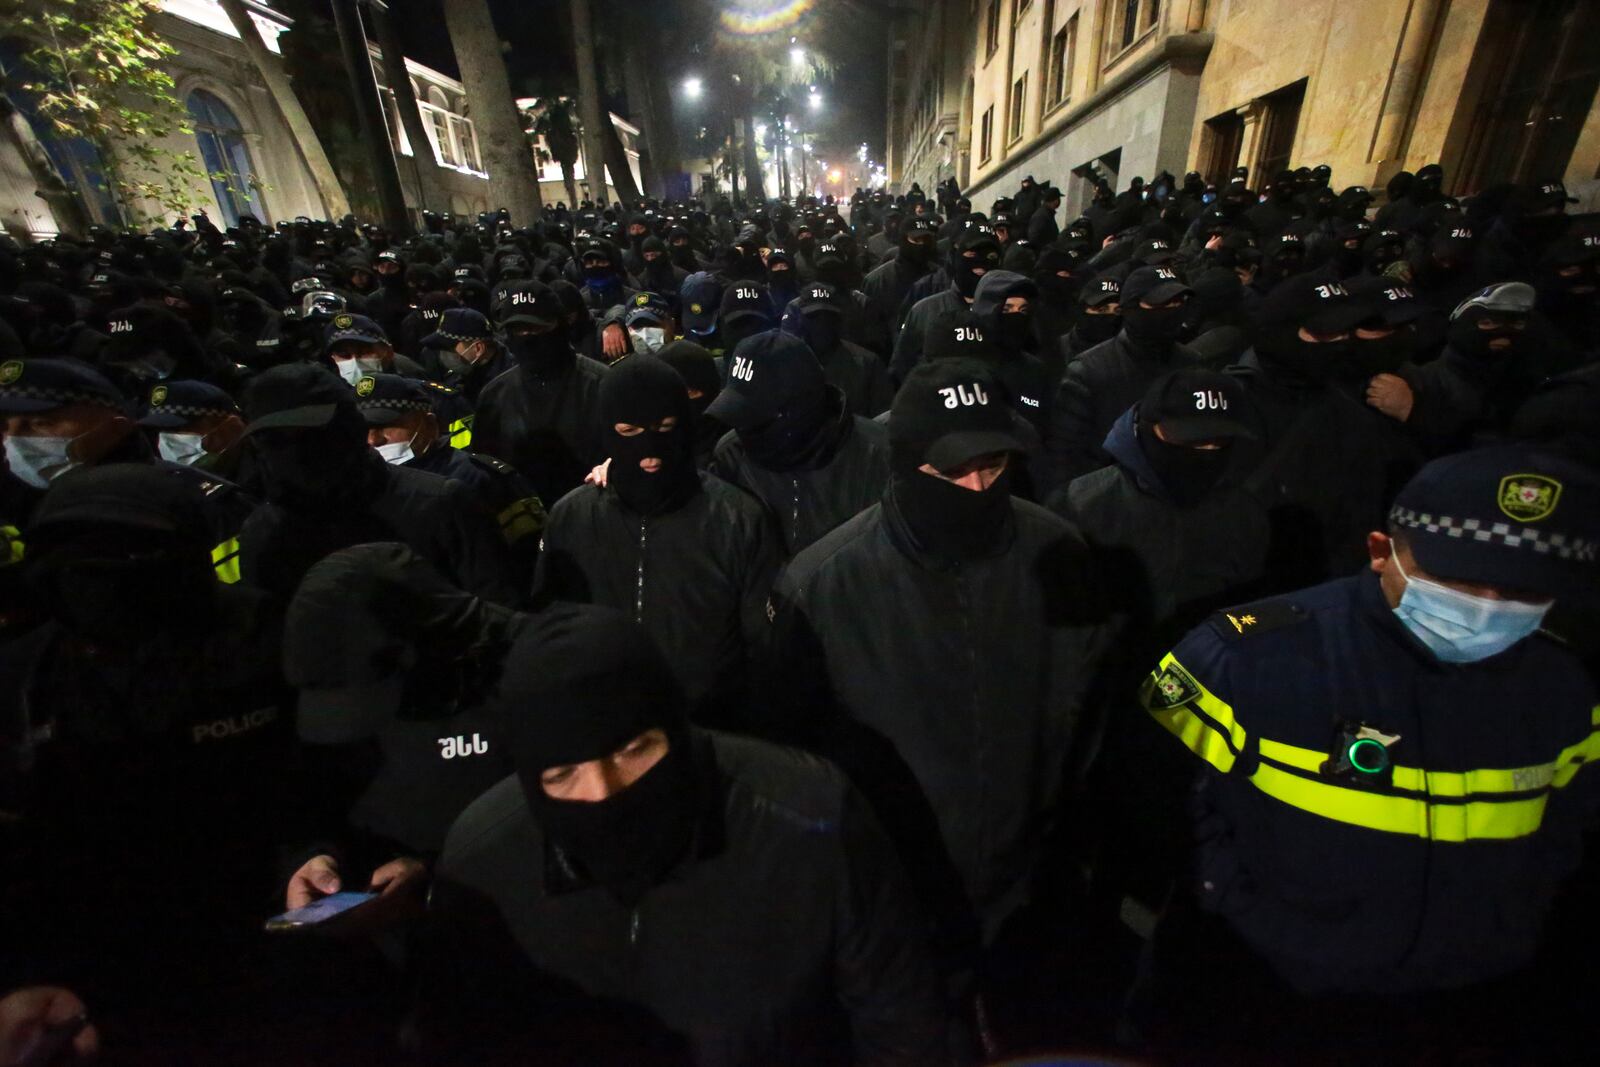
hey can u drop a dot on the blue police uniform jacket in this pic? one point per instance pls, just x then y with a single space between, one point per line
1371 819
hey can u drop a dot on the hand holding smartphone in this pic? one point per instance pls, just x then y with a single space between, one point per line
318 911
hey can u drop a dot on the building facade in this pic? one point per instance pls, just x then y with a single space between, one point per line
930 87
1071 90
48 186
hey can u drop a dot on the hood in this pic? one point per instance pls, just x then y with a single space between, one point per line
996 286
1122 445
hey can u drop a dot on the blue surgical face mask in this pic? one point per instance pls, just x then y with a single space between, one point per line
1458 627
38 461
397 452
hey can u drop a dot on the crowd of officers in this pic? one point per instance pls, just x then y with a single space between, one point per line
877 632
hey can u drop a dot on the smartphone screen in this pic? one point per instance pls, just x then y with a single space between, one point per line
318 911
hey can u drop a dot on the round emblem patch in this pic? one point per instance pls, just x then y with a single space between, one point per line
10 371
158 396
696 308
641 300
1528 497
366 385
343 322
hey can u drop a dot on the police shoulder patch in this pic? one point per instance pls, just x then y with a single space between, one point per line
1247 620
1169 687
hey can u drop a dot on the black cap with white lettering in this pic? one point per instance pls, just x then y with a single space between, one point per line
1196 406
527 302
952 410
766 373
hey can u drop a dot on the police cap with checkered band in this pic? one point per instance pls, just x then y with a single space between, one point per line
1507 516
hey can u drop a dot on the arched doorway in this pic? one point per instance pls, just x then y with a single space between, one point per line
225 156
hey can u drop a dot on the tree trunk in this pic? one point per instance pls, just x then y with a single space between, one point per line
621 174
423 165
752 162
507 156
731 154
571 182
664 128
590 112
639 111
334 201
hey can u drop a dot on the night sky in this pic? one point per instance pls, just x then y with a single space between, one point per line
540 59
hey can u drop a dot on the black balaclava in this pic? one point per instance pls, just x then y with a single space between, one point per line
642 391
542 355
105 578
1054 290
947 521
1379 355
915 254
1280 343
822 331
316 469
578 685
783 285
1187 474
744 325
967 273
1465 338
1155 328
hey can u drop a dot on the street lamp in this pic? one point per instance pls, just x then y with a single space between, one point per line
816 100
692 88
797 56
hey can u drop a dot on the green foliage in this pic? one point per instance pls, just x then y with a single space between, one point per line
97 71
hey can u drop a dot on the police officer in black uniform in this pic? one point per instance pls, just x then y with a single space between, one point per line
1391 782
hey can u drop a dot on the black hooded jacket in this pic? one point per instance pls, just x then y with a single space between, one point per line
697 577
969 677
786 935
440 519
851 469
1098 386
547 426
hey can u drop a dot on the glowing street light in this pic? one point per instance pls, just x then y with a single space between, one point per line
797 56
692 88
816 101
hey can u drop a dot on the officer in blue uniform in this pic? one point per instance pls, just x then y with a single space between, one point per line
1392 784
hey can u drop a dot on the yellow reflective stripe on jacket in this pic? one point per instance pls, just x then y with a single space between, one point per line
1476 806
1472 820
11 547
1573 757
461 432
1204 722
525 518
1422 780
225 560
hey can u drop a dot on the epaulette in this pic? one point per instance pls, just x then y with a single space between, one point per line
441 388
1247 620
490 463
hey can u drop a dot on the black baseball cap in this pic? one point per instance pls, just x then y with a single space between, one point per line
1311 301
765 373
958 335
743 300
949 411
384 399
1194 405
32 385
1154 285
180 402
1506 516
139 496
1153 252
295 395
526 301
1387 300
1101 289
819 298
